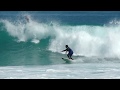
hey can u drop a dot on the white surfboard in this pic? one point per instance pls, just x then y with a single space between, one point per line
67 60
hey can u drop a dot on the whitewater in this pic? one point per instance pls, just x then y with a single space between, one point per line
33 49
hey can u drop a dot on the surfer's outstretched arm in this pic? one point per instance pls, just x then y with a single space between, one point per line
63 50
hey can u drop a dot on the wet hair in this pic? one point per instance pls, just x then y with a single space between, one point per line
66 45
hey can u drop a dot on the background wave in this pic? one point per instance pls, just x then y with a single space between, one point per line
40 42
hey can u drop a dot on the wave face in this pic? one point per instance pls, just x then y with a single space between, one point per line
41 40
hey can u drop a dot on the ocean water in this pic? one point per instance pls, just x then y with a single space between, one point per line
32 49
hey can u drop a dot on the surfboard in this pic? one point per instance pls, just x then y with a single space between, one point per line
67 60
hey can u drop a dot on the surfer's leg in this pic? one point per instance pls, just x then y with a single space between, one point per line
68 55
71 56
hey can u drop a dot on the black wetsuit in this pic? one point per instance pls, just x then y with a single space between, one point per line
70 51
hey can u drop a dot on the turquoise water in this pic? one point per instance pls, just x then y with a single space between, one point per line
36 45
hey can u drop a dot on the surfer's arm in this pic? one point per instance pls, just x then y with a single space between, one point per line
64 50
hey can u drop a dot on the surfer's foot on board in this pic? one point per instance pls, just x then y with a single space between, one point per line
71 58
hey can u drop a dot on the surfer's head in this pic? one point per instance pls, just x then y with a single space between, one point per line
66 46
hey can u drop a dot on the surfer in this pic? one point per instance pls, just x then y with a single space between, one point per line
70 52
